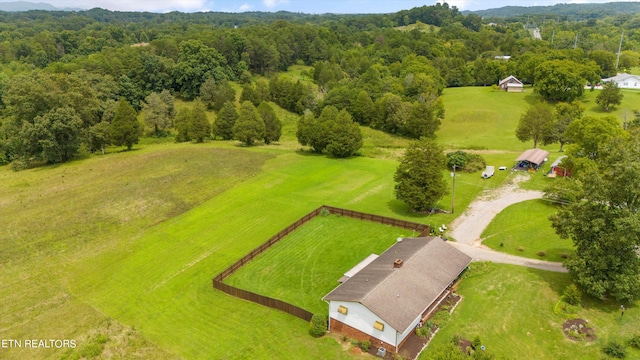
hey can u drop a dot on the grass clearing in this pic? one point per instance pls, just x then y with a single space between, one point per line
160 281
524 229
511 308
58 217
306 265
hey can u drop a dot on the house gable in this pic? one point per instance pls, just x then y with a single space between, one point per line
510 82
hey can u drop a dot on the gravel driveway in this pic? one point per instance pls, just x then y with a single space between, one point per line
467 228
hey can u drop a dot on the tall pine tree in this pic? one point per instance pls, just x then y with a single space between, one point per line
125 127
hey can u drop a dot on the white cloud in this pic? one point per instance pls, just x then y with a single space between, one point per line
136 5
273 3
245 7
460 4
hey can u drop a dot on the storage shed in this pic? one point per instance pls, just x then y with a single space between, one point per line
531 160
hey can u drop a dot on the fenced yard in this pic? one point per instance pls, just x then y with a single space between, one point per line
307 266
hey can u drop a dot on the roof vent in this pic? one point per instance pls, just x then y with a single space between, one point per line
398 263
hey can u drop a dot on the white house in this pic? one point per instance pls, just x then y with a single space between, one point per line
511 84
392 294
625 81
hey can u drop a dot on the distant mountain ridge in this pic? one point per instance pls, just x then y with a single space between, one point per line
15 6
579 10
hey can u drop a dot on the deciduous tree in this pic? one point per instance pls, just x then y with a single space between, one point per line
156 113
53 137
603 222
99 136
559 80
609 95
536 124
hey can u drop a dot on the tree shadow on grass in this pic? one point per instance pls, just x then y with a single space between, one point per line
402 209
559 281
309 153
532 97
556 281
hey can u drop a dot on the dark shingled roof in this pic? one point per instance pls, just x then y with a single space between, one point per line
399 295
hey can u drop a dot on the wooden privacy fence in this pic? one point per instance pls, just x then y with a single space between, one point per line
421 229
218 283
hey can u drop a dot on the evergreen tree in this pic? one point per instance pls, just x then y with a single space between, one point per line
420 179
272 125
199 127
424 119
125 127
249 93
249 127
345 136
362 109
182 121
225 121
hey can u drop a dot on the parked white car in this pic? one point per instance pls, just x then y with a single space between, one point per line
488 172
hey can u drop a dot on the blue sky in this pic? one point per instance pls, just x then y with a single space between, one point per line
306 6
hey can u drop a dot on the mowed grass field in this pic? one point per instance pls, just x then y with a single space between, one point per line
511 308
117 252
524 229
484 118
306 265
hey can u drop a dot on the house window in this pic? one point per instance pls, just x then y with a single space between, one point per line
625 84
378 325
343 310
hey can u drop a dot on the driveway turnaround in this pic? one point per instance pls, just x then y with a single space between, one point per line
468 227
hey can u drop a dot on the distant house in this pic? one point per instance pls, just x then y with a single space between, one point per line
511 84
395 292
502 57
531 160
625 81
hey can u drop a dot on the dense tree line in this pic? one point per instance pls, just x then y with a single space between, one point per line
77 66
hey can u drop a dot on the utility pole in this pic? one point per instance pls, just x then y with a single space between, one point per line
619 48
575 44
453 187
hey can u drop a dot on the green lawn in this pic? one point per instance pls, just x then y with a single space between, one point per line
524 229
160 281
511 309
56 218
483 118
124 246
307 264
